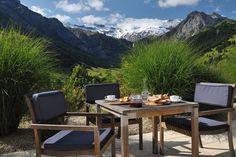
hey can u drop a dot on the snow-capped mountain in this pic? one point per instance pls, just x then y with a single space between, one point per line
130 29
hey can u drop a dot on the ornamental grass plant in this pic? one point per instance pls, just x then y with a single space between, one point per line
168 66
25 66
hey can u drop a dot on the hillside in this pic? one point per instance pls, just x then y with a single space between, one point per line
69 48
101 45
219 37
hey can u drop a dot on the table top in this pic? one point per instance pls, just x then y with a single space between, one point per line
126 109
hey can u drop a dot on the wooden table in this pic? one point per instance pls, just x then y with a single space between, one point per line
125 113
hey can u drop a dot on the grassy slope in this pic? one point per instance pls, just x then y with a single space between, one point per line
214 37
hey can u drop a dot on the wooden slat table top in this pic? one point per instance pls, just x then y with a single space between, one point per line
126 109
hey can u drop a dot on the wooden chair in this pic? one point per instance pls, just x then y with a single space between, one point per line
213 99
99 91
70 139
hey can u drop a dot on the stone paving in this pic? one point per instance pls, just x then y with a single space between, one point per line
176 145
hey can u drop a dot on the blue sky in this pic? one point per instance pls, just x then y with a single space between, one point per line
114 11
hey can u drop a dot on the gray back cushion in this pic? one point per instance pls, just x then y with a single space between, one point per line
99 91
48 105
213 94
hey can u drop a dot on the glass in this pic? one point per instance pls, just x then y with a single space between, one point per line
145 95
145 92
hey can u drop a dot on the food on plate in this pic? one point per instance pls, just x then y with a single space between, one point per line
159 98
124 99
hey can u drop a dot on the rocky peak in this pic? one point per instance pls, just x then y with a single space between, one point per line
193 23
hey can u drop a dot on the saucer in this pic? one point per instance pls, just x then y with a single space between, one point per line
179 100
111 100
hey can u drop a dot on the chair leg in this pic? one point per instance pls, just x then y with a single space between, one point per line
140 134
87 110
231 145
200 142
113 148
118 133
38 154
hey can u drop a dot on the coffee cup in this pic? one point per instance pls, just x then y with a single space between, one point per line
110 97
175 98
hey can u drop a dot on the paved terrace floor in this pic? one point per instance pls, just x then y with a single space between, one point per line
176 145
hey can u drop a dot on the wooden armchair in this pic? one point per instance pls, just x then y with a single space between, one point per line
70 139
99 91
217 99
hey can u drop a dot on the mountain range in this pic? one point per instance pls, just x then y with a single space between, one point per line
71 47
100 45
130 32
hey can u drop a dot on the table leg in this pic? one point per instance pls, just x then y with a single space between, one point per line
154 135
195 132
98 108
124 136
98 119
161 128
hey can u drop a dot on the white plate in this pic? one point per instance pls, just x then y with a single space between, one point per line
111 100
176 100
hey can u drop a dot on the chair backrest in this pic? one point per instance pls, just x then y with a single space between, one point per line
99 91
47 105
214 94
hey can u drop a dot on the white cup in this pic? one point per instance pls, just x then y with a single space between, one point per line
175 98
110 97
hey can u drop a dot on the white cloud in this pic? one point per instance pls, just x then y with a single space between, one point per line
96 4
122 22
91 19
71 7
174 3
62 18
82 5
234 12
112 19
217 9
39 10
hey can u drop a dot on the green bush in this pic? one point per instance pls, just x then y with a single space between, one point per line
169 66
227 67
74 87
25 66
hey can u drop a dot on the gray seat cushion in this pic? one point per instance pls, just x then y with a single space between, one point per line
76 140
48 105
213 94
205 124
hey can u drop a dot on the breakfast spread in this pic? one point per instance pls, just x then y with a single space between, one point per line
158 99
124 99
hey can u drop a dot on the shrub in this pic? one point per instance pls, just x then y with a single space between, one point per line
24 66
169 66
74 87
227 67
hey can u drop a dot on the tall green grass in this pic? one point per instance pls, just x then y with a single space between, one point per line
169 66
25 66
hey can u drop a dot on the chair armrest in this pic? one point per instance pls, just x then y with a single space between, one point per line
88 114
216 111
63 127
